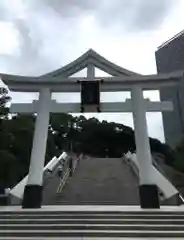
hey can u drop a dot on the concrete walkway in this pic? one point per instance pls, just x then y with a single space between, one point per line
98 181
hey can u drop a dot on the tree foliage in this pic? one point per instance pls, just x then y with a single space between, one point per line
4 99
179 163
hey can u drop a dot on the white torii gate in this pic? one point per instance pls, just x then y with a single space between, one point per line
60 81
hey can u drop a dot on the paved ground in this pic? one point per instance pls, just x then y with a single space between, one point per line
100 181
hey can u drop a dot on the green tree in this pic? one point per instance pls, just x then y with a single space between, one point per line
8 169
179 162
4 99
164 149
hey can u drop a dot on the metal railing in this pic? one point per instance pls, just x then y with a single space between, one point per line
68 167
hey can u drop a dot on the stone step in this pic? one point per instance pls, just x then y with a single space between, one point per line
92 221
89 233
92 212
84 238
92 216
141 227
67 238
35 224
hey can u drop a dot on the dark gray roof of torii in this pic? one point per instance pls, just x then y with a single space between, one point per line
120 75
97 60
78 64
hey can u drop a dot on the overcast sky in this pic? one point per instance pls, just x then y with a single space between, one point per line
38 36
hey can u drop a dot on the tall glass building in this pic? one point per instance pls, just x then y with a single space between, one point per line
169 58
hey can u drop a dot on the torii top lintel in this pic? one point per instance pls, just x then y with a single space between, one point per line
60 80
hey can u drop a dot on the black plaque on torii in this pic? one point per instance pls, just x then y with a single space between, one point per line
90 96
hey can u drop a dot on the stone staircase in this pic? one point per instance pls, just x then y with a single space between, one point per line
80 224
97 181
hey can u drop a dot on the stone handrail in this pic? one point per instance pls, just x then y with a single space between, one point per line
157 178
133 165
18 190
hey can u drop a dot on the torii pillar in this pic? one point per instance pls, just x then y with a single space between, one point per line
35 177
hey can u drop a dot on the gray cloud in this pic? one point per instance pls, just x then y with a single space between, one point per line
136 14
150 14
47 28
70 8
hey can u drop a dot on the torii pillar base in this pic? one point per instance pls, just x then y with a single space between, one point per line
32 196
149 196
